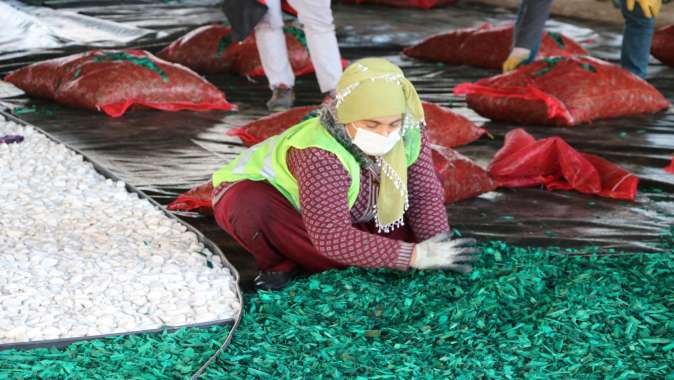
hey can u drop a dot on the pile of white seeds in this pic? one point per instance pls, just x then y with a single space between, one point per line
81 256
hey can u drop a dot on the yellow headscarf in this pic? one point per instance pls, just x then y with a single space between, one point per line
371 88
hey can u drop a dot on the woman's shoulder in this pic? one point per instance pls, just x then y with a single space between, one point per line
315 162
313 154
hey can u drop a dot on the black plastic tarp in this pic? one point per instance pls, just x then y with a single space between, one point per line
164 153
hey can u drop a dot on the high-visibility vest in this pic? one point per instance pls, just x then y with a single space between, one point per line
266 161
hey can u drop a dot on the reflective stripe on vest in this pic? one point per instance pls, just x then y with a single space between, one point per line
267 168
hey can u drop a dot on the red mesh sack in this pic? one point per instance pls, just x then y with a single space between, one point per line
445 128
663 45
197 199
209 49
486 46
265 127
448 129
443 47
562 91
461 178
524 161
423 4
114 80
203 49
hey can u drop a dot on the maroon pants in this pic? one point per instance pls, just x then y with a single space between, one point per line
262 220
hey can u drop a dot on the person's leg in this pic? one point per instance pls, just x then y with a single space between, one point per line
637 38
317 23
259 218
271 45
530 26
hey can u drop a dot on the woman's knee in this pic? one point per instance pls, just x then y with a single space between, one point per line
240 205
256 205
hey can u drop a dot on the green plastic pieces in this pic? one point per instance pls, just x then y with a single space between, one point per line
523 313
297 33
140 61
147 356
553 61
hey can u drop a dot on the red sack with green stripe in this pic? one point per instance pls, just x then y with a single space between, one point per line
486 46
445 128
271 125
562 91
114 80
209 49
423 4
662 47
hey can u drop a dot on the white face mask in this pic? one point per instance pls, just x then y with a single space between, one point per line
374 144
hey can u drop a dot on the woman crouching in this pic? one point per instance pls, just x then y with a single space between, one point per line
354 186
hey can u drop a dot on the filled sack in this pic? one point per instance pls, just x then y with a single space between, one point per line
461 178
486 46
114 80
562 91
662 47
271 125
444 127
448 129
210 49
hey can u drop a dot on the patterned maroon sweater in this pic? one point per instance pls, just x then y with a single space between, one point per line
324 184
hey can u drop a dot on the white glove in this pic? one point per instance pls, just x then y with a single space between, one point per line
443 252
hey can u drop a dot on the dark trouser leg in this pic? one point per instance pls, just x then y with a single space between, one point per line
264 223
637 38
259 218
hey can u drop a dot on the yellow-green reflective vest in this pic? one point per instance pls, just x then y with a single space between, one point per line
266 161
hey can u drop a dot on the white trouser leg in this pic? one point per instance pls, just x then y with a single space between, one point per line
317 23
271 44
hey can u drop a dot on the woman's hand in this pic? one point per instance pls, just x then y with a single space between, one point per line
443 252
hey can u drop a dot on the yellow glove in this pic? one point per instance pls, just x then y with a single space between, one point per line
650 8
516 57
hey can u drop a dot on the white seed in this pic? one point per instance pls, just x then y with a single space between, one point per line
82 257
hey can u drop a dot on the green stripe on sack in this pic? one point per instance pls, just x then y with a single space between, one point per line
140 61
552 62
298 34
558 39
223 44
